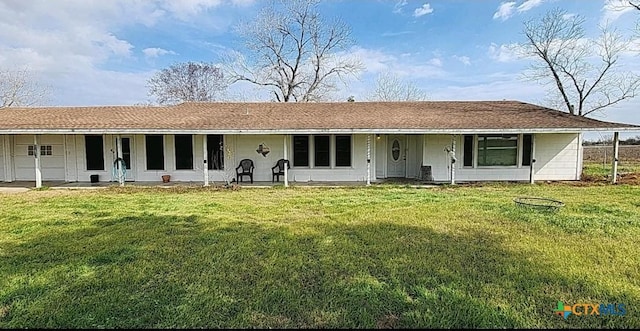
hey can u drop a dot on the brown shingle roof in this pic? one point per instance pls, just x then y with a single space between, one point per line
427 116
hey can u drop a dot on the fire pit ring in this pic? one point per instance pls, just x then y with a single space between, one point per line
539 203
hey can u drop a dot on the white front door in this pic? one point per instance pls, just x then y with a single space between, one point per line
127 156
396 160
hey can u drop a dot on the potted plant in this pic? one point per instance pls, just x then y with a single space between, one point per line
166 178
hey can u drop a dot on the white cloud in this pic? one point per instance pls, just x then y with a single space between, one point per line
72 44
435 62
503 53
424 10
529 4
614 9
397 9
505 10
154 52
464 59
377 61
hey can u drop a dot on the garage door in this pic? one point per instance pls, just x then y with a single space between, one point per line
51 157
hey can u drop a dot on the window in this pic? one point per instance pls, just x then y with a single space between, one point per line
300 151
527 149
343 151
498 150
155 152
184 151
215 152
44 150
321 151
94 152
468 151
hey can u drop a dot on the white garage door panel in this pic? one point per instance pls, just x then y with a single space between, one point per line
52 165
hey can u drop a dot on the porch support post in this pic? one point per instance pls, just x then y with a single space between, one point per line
36 154
120 166
286 172
453 160
8 162
205 154
368 160
532 167
614 168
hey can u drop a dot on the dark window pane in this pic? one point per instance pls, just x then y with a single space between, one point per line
321 151
527 149
300 151
94 152
126 152
343 151
215 151
155 152
468 151
499 150
184 151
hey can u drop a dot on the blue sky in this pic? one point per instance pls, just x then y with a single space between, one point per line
101 52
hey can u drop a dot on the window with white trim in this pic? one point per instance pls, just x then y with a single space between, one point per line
322 148
497 150
155 152
300 151
343 151
183 144
44 150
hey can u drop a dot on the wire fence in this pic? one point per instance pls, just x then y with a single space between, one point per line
628 157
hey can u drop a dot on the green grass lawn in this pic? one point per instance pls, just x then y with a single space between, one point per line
318 257
602 171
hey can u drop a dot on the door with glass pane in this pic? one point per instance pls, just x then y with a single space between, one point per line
396 156
127 156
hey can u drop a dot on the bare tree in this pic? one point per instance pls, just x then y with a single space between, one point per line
294 53
390 87
20 89
188 81
585 73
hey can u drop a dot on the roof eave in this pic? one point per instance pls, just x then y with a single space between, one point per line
313 131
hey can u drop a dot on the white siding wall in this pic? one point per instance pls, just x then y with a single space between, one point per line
435 156
439 160
2 158
71 173
246 146
381 156
558 156
8 158
82 174
53 166
414 155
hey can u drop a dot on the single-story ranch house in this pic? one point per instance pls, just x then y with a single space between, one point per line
438 141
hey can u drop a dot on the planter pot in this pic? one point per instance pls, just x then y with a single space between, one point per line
166 178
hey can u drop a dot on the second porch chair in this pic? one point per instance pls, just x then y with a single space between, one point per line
278 169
